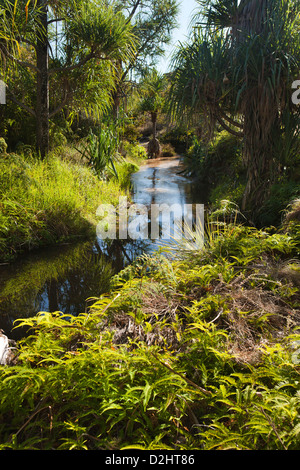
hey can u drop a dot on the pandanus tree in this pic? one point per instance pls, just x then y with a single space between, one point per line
237 72
152 89
89 33
152 22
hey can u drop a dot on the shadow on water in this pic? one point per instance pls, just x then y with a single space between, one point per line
162 180
59 279
65 277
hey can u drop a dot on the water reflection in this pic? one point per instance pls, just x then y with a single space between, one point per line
63 278
59 279
162 181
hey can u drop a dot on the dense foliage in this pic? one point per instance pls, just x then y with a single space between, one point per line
218 166
50 201
198 353
197 346
236 72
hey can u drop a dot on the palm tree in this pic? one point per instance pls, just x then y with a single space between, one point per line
93 32
153 22
152 99
238 72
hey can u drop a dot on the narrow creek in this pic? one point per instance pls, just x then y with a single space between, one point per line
63 278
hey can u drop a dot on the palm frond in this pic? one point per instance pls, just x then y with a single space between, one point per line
106 31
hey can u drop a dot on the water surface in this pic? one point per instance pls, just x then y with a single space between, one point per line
66 277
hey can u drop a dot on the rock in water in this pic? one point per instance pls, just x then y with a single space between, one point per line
153 148
4 349
7 355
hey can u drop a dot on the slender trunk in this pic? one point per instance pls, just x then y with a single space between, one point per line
42 105
153 145
116 104
118 91
154 121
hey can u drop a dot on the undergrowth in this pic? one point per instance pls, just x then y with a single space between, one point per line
46 202
218 167
197 352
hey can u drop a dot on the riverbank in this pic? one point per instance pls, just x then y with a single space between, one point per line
63 276
189 349
198 353
44 203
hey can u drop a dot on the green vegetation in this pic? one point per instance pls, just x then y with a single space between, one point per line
195 353
194 348
152 90
236 73
219 166
54 200
72 59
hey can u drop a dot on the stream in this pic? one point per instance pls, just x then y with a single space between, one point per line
65 277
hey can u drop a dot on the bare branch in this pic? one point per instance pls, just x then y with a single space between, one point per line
133 11
54 20
61 106
18 61
227 128
88 57
20 103
231 121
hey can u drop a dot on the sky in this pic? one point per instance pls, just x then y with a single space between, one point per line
186 11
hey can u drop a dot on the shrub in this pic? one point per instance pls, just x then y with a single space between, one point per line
100 151
3 145
273 209
195 353
134 152
167 150
177 136
131 132
219 159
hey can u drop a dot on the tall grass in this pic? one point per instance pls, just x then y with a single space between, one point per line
45 202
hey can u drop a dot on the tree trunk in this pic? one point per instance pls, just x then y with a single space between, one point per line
42 104
153 145
117 94
154 120
261 129
116 104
